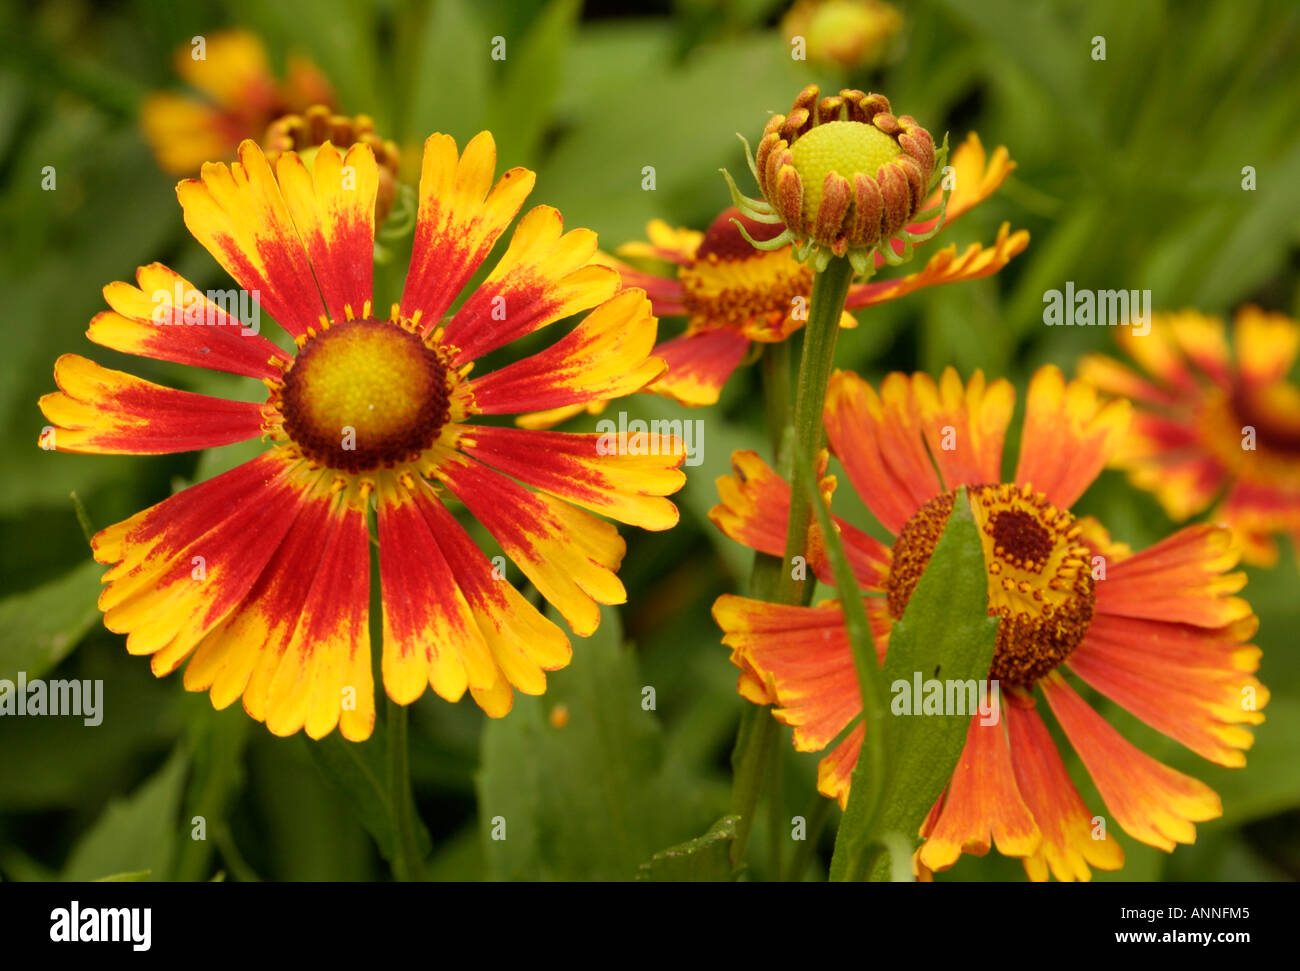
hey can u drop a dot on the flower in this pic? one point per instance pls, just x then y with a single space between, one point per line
845 176
1158 631
317 125
1214 425
239 97
849 34
734 295
261 576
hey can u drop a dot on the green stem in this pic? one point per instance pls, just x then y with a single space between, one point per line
407 865
776 396
830 290
749 762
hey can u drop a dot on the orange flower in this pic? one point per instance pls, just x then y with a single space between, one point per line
238 98
1159 632
1214 424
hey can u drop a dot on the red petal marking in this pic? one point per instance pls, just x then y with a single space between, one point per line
430 637
106 411
1063 818
333 207
1154 803
148 322
699 364
983 806
569 555
157 593
1181 579
239 216
835 771
331 638
459 220
1190 683
880 441
606 356
803 653
1069 436
965 427
626 487
546 274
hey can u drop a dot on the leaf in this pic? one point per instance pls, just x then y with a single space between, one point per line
39 628
135 833
946 634
590 800
133 876
703 859
359 772
449 87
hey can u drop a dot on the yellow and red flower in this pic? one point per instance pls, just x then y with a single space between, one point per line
261 576
1159 632
1212 424
734 295
238 96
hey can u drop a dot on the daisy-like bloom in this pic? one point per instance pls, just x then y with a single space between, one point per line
317 125
1218 421
236 97
850 34
734 295
261 576
844 176
1159 632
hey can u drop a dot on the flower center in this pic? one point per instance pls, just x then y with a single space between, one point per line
1039 582
842 147
363 395
730 283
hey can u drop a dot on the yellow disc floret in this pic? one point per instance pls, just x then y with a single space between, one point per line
364 394
842 147
1039 582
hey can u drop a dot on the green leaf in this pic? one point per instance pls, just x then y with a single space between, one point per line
39 628
945 634
133 876
595 798
359 772
136 833
449 86
703 859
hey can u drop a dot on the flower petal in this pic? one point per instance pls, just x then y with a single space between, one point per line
568 554
333 207
1266 343
1069 436
1154 803
1068 846
965 427
605 356
459 220
983 806
545 275
1193 684
589 470
699 364
149 321
880 441
105 411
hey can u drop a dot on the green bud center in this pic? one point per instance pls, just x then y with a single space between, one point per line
843 147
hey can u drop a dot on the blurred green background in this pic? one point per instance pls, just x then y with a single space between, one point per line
1129 176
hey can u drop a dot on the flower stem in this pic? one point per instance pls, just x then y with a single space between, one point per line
830 290
407 865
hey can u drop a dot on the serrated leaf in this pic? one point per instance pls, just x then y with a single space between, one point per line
703 859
